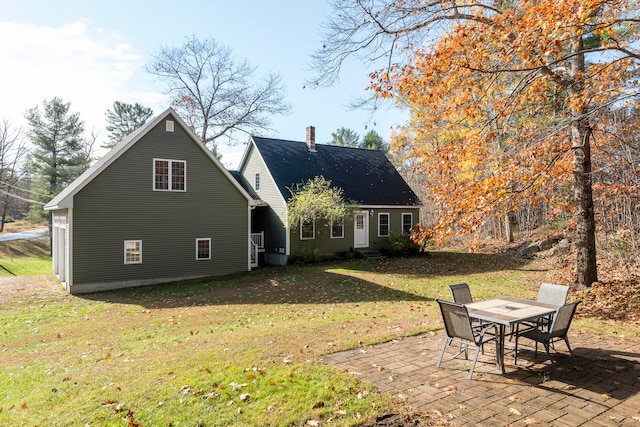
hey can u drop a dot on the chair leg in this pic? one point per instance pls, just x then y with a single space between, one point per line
547 347
444 346
566 341
475 359
515 351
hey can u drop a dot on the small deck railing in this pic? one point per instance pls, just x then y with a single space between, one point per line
258 240
254 253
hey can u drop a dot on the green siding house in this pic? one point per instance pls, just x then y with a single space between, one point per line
158 207
271 167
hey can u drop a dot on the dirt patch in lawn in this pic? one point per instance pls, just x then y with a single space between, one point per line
31 288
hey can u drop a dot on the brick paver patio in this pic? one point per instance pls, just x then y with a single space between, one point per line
602 390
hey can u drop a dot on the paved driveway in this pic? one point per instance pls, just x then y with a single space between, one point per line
31 234
603 390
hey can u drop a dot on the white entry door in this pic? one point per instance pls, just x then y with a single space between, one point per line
361 230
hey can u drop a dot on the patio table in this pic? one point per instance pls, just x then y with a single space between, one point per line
507 311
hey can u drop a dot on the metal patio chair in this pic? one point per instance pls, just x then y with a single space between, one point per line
548 293
547 336
461 293
553 294
458 326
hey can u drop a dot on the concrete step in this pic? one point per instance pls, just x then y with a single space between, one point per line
370 255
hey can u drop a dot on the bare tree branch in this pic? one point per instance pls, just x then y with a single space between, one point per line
216 94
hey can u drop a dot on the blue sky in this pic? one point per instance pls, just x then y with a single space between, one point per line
92 53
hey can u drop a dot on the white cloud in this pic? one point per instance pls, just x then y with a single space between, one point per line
90 68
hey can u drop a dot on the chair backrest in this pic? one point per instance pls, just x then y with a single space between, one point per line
562 320
553 294
461 293
457 323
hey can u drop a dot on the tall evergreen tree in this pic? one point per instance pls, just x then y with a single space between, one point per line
124 119
60 152
344 137
373 141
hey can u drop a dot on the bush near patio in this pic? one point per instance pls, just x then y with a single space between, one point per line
241 350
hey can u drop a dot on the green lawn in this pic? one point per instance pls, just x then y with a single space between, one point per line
25 257
240 350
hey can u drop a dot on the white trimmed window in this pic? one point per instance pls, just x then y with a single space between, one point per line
203 249
169 175
256 181
337 229
383 224
133 251
307 230
407 223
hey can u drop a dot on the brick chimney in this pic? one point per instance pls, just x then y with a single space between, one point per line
311 138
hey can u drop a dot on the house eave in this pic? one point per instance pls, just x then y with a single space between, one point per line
64 204
417 206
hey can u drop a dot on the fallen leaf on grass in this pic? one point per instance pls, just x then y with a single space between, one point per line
313 423
318 405
235 386
362 394
245 396
185 389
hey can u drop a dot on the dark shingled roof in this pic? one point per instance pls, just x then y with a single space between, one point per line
367 177
248 188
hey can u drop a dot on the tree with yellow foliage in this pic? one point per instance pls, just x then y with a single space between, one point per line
503 94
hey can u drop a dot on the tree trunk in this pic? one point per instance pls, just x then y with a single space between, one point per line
508 228
587 272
